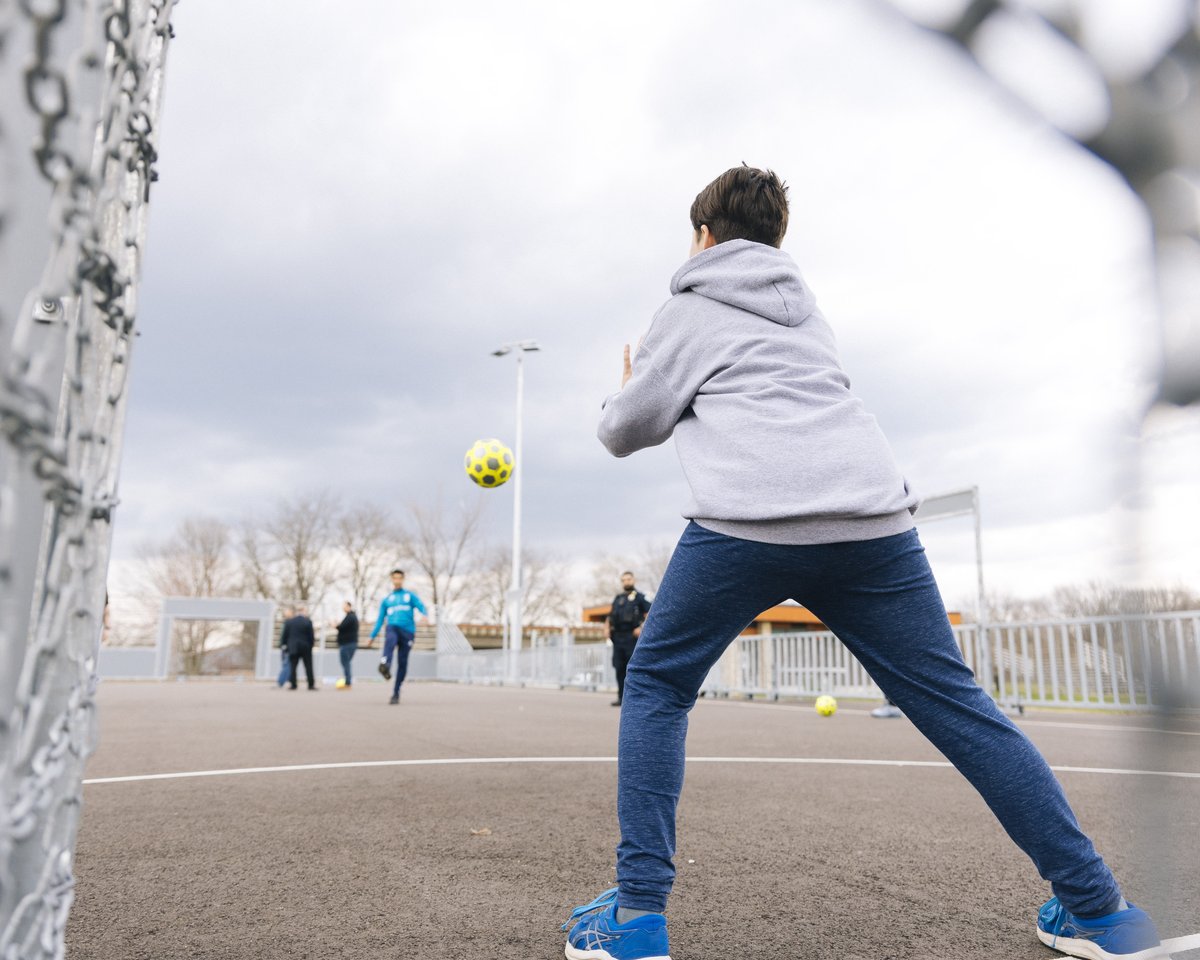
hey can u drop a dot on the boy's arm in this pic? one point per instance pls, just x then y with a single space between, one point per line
419 605
382 617
667 371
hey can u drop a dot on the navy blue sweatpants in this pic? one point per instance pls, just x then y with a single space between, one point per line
880 598
401 641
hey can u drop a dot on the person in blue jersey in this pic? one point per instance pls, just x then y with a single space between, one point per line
396 612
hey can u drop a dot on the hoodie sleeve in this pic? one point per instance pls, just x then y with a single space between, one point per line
666 375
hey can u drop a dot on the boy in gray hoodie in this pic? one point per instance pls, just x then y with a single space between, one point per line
795 494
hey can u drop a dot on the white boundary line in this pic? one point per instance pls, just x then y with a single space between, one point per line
1022 722
1183 944
1177 945
465 761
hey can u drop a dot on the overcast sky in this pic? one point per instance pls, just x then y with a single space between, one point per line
355 210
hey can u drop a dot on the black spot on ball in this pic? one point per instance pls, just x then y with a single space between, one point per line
493 463
479 468
508 459
503 474
489 480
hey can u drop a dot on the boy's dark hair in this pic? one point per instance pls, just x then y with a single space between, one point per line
743 203
397 570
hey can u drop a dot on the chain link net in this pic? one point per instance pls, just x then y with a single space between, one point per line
1151 137
82 83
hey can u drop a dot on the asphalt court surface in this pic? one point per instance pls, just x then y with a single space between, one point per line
813 859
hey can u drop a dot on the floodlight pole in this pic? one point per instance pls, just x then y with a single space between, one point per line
514 607
516 611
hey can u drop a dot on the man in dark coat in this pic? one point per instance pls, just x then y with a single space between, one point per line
629 609
298 638
347 640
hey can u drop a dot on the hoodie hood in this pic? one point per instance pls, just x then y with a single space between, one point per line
750 276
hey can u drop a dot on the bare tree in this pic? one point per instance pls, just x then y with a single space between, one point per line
196 561
439 541
301 530
547 595
290 555
647 565
366 539
1094 598
258 569
1099 599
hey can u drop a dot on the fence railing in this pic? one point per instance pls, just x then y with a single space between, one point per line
562 664
1119 662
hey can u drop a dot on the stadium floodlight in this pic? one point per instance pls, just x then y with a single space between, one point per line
515 592
522 346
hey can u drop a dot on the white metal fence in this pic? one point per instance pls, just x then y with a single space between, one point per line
1119 662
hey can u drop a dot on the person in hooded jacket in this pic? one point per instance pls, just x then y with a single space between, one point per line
794 494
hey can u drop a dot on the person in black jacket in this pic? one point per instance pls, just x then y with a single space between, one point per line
629 610
347 640
298 638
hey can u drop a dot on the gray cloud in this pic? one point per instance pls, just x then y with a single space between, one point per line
349 221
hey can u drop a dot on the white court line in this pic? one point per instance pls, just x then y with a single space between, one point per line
464 761
1183 944
1020 721
1177 945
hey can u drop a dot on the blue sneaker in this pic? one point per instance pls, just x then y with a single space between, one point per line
596 935
1125 935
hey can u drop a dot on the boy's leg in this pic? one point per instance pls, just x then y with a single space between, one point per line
713 589
880 598
404 642
391 637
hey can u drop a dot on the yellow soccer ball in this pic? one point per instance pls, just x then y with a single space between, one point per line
489 463
826 706
341 682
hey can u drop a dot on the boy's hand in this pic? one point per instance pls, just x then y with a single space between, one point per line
628 371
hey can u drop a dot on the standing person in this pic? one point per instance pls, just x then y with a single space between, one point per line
299 638
795 494
629 609
396 611
347 639
285 660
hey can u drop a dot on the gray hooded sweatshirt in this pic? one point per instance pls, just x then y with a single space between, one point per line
742 368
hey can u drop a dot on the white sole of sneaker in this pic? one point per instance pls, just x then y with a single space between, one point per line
1091 951
572 954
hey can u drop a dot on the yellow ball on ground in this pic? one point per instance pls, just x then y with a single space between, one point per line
826 706
489 463
341 683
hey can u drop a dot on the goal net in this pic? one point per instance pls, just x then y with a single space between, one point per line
80 87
